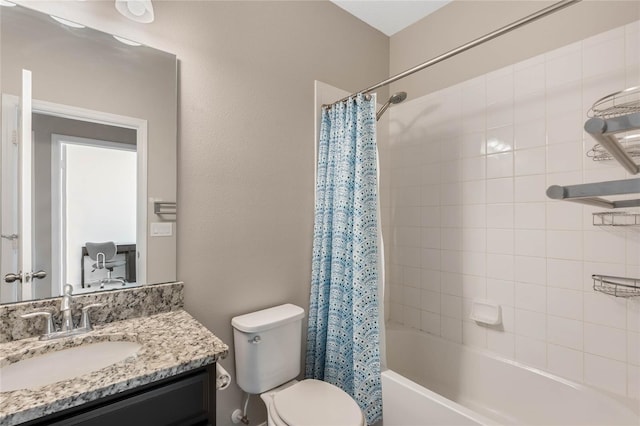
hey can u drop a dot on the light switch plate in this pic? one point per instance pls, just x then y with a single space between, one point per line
161 229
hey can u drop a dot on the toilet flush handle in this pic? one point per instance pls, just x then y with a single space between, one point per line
255 340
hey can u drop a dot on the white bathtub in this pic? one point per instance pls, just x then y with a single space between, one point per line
432 381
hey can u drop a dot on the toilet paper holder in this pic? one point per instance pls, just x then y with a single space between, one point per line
223 378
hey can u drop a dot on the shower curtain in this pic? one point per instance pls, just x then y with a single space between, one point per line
343 340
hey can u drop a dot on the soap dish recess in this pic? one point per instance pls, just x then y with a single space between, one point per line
486 312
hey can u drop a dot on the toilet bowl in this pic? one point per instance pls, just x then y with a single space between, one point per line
311 402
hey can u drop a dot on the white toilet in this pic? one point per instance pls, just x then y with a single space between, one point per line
267 348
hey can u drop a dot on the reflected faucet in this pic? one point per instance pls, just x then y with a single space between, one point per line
65 308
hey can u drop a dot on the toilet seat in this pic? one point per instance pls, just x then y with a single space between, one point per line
313 402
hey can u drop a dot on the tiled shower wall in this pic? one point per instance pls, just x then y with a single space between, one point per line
466 216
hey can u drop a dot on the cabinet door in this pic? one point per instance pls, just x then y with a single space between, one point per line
183 402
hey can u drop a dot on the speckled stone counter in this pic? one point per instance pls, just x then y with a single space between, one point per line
172 343
118 304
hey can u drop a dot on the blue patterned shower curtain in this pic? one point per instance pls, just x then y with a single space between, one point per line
343 341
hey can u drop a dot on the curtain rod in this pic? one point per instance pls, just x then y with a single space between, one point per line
490 36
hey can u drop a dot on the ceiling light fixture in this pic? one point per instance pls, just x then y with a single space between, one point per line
67 22
126 41
136 10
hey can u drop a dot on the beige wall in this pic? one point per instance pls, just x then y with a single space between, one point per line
245 150
464 20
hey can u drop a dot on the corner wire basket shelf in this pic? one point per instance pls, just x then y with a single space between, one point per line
616 286
617 104
616 219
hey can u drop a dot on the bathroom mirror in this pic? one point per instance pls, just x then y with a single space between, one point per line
98 158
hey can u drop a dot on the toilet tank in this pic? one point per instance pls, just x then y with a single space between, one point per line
267 347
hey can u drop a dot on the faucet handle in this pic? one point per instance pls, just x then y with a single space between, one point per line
50 327
86 321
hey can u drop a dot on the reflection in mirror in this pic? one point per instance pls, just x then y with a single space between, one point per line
104 144
85 175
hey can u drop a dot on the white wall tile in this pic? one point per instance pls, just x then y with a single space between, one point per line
530 108
500 241
499 139
430 323
564 157
565 332
564 273
531 324
633 348
566 127
500 190
451 306
501 342
474 192
430 301
474 239
451 329
474 168
530 215
633 382
531 297
564 245
531 351
500 216
603 56
530 188
500 165
529 80
473 144
564 216
605 373
530 242
603 246
604 310
530 161
563 65
474 216
473 334
565 303
500 292
411 317
532 270
500 266
430 238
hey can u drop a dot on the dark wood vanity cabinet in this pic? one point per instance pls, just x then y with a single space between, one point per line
184 400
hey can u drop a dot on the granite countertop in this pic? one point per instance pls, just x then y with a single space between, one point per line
172 343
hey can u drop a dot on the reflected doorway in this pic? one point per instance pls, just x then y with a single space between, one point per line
95 181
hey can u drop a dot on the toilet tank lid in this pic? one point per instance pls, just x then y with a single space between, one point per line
266 319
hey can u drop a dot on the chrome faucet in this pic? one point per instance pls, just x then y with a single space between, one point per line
67 327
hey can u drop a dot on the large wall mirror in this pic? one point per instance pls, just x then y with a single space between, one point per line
88 177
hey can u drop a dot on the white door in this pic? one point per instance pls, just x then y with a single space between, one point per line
17 196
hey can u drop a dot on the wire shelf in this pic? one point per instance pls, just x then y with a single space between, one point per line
616 219
624 102
616 286
632 147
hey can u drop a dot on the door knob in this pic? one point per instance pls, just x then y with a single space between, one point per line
39 275
9 278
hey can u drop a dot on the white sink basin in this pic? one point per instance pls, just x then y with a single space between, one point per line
63 364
